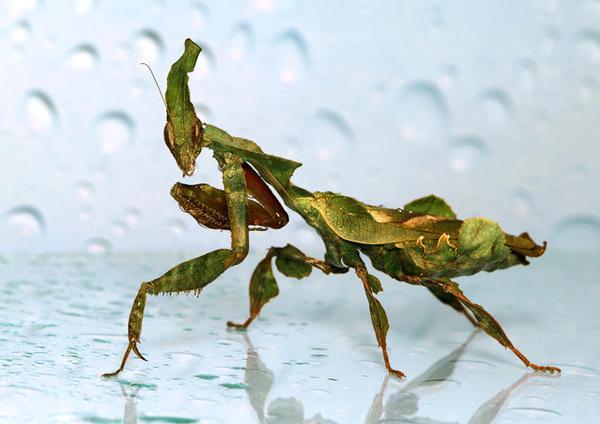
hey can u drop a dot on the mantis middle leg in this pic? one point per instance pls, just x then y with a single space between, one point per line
379 319
291 262
195 274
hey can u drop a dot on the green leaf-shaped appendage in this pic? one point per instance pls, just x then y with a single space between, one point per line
374 283
379 320
292 262
431 205
263 286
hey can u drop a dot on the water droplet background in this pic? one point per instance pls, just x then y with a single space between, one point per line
383 101
422 100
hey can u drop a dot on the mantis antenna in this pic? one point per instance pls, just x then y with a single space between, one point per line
157 86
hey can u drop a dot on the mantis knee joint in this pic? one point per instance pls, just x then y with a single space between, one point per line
238 254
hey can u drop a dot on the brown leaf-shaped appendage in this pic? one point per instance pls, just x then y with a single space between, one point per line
291 262
486 321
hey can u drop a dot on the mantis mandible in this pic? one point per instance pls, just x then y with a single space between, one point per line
422 244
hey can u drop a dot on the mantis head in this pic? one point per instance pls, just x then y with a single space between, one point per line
185 143
183 131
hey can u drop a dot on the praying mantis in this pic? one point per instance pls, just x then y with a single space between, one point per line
423 243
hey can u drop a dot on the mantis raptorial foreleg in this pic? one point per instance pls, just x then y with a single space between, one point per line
378 316
195 274
291 262
485 320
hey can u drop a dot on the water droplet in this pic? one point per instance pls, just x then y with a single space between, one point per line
98 246
292 57
262 5
241 42
199 16
206 376
586 90
177 227
422 113
119 228
85 214
497 106
27 221
578 370
149 47
589 46
81 7
549 41
234 385
523 203
113 131
20 8
82 58
85 190
579 232
132 216
467 152
527 75
40 111
448 77
6 136
330 126
21 33
533 413
205 65
100 173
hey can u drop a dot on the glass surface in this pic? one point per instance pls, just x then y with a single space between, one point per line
492 106
311 358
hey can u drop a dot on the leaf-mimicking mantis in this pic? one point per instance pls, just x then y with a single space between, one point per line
423 243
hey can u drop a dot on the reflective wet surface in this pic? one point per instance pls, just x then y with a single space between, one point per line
310 358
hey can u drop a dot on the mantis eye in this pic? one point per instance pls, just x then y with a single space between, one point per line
169 135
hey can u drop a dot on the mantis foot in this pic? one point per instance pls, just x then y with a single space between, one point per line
239 327
545 368
388 367
132 346
396 373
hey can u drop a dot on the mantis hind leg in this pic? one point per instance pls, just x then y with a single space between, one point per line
291 262
485 320
451 300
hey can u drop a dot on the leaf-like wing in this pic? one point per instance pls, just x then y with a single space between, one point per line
282 169
354 221
431 205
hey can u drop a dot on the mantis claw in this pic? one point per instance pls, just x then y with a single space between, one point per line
133 346
396 373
